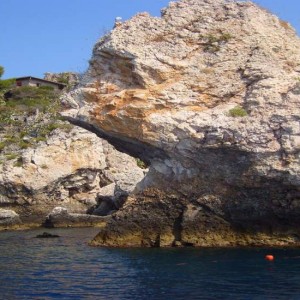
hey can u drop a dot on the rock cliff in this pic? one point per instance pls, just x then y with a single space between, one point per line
74 169
209 95
47 163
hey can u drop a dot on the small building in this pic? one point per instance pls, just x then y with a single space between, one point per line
37 82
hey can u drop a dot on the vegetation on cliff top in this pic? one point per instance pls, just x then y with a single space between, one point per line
27 116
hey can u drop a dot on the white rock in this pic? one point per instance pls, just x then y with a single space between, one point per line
8 214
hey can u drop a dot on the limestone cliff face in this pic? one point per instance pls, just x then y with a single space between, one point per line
213 86
75 170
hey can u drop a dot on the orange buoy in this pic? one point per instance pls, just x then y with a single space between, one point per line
269 257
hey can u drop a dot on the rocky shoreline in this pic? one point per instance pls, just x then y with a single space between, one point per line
156 219
58 218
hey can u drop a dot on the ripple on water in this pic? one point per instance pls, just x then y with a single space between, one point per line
67 268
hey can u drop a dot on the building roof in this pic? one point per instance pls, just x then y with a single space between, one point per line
42 80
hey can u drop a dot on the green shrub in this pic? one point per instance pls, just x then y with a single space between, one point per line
141 164
213 42
6 84
238 111
64 78
52 126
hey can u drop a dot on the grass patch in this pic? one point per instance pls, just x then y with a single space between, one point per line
46 129
2 146
29 98
238 111
11 156
24 144
10 139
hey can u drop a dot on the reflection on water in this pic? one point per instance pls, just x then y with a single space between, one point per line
67 268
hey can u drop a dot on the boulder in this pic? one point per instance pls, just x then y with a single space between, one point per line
61 217
46 235
9 218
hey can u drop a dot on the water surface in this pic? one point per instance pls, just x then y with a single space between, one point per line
67 268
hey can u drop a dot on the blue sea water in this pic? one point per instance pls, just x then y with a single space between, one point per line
67 268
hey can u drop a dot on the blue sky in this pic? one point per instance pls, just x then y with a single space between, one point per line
39 36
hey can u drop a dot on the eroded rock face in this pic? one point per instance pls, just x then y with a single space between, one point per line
68 170
157 219
214 87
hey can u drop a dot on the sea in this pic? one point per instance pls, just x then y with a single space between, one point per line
66 267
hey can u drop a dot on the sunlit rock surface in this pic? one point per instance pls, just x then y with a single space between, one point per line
68 170
211 89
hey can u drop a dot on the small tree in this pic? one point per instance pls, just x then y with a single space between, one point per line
1 71
5 85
